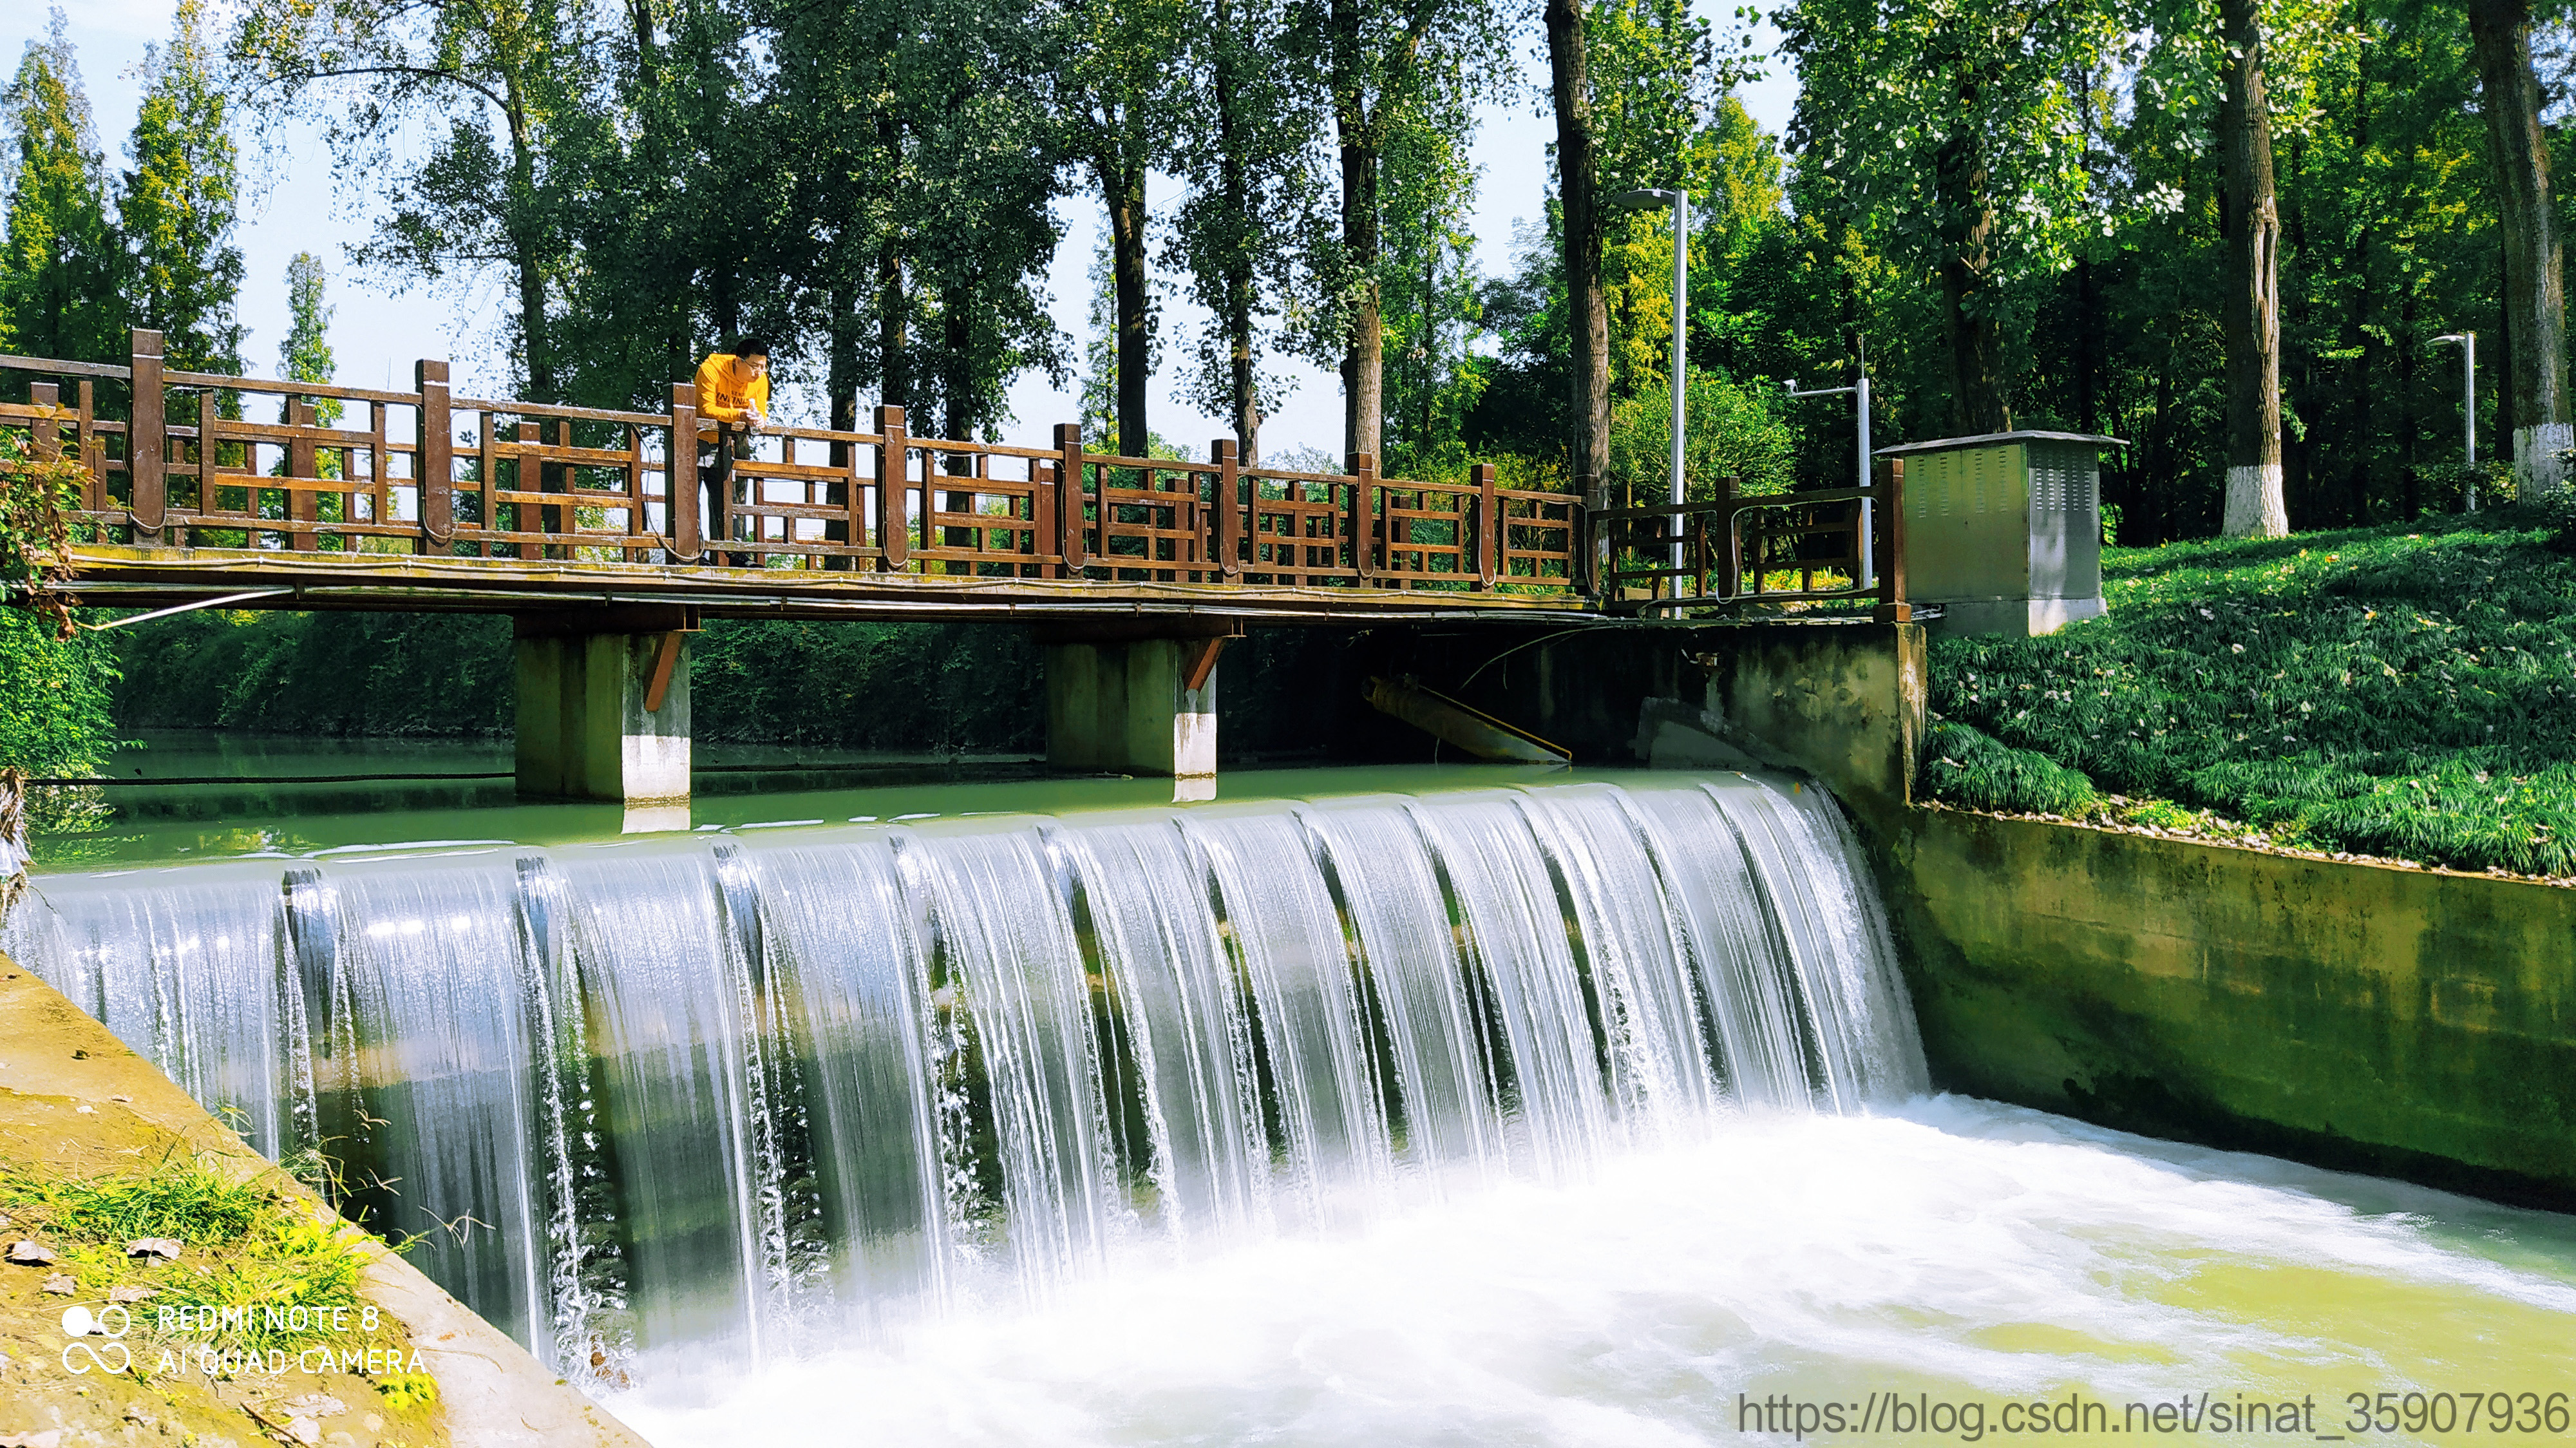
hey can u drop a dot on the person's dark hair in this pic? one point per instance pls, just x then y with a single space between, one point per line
751 347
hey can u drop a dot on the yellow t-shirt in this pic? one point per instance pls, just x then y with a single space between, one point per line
721 392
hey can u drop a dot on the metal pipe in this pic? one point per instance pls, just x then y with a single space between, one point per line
187 608
1681 337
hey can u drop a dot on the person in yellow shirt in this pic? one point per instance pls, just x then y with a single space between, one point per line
733 387
733 393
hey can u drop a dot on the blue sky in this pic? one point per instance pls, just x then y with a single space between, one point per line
294 204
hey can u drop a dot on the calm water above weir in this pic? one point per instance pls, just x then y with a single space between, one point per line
1356 1106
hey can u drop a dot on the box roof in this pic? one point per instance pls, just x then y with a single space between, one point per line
1995 439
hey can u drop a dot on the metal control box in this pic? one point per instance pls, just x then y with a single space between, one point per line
2004 531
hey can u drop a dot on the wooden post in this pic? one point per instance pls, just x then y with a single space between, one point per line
1046 533
1068 494
1226 453
894 482
680 476
1892 607
1728 560
1368 531
1489 525
433 458
302 505
48 434
92 447
147 441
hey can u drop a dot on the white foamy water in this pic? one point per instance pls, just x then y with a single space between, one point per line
1958 1250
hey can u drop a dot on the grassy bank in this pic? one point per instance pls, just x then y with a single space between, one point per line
2406 691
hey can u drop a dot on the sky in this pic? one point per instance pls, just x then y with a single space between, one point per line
292 202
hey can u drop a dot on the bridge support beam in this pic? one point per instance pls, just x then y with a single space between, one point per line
604 709
1135 702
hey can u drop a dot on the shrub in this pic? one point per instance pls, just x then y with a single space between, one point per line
1965 767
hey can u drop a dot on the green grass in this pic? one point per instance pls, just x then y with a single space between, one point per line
242 1245
2403 691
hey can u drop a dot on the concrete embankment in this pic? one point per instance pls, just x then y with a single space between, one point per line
75 1104
2404 1022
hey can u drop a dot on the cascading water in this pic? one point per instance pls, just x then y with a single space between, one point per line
723 1094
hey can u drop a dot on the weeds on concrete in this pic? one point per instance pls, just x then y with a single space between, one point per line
241 1245
2406 691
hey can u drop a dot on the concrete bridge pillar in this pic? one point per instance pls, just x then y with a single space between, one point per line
1138 699
604 709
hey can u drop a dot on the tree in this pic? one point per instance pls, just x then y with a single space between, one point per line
1579 228
1389 66
1245 149
1115 97
305 356
58 274
2250 216
470 67
177 206
1943 133
2535 300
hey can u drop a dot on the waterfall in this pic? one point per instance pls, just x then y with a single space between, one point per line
728 1093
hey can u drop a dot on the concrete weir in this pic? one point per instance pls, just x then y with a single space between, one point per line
604 709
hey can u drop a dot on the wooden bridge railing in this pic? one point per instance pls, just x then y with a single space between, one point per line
350 469
1738 549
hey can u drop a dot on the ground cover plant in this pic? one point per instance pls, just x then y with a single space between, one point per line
2406 690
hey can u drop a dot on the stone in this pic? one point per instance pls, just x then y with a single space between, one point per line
315 1405
50 1438
30 1254
61 1284
165 1248
304 1431
130 1293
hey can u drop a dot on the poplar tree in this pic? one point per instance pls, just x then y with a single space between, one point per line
305 356
178 204
2535 296
1115 97
60 265
489 81
1246 149
2250 218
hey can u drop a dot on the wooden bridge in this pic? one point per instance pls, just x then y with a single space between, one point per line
590 523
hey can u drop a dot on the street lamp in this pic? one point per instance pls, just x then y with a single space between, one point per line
2468 406
1679 201
1860 390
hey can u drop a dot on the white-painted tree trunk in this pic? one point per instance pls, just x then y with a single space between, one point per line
2539 457
2255 508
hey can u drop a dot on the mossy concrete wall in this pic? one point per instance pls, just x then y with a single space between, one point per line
2403 1022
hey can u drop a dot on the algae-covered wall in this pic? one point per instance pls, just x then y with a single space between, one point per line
2405 1022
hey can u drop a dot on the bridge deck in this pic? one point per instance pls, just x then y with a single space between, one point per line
124 577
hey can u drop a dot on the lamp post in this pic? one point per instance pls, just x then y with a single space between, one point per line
1860 392
2468 407
1679 201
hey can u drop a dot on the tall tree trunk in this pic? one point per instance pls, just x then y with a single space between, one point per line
2358 337
894 370
2251 315
1364 345
526 255
1590 446
841 368
1243 401
957 387
2535 302
2412 501
1965 187
1122 186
